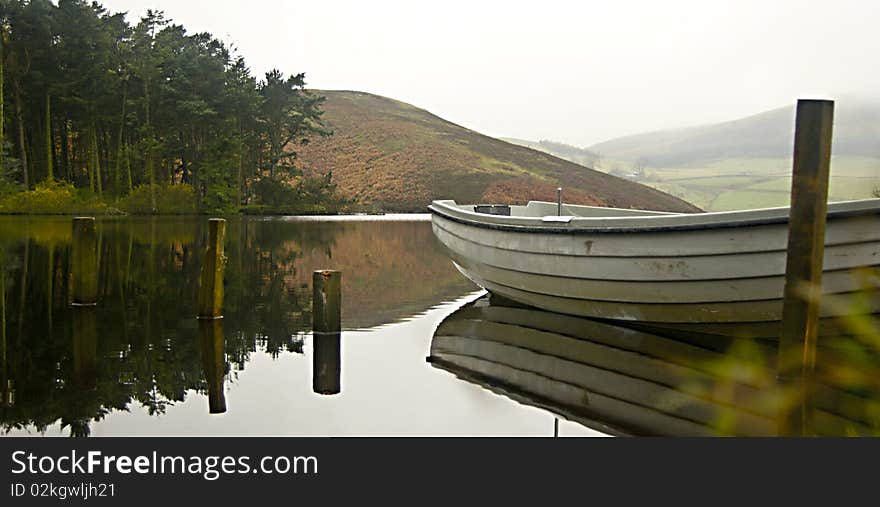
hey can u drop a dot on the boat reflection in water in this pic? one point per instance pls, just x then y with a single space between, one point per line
626 381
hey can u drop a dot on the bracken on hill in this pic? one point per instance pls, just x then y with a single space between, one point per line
396 157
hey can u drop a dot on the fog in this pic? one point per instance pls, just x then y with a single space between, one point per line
577 72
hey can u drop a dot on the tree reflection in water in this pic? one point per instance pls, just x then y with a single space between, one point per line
143 344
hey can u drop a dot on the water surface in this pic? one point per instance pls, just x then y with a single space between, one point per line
423 350
141 364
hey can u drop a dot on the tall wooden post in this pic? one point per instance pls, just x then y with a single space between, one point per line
327 331
84 260
803 270
211 276
212 346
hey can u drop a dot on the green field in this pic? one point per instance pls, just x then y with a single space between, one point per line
749 183
748 199
744 163
759 183
740 164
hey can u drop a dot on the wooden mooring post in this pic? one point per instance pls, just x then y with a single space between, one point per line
803 270
84 262
211 275
327 331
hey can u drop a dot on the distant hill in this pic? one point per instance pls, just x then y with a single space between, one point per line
568 152
766 135
740 164
396 157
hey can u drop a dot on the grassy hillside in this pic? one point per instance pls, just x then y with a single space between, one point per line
745 163
396 157
574 154
742 183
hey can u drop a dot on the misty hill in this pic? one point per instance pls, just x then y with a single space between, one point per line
565 151
766 135
397 157
740 164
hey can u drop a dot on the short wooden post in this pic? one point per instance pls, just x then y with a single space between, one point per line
327 301
84 260
803 270
211 276
327 327
212 347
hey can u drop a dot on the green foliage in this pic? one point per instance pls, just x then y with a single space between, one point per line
170 200
149 104
317 195
8 187
53 198
271 192
308 195
289 114
218 178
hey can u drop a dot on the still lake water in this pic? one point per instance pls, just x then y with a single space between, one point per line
423 351
140 367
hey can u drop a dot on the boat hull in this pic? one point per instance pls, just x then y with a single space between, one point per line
711 274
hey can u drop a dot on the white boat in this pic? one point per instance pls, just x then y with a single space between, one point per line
655 267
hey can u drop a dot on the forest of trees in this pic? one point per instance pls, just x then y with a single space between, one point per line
147 118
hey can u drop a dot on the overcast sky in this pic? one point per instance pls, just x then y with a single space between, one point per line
578 72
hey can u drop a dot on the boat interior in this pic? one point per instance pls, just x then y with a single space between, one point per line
549 214
542 209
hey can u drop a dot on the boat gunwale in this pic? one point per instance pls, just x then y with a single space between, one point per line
439 208
773 250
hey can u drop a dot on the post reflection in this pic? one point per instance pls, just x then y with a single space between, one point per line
326 363
212 347
626 381
85 348
141 349
6 394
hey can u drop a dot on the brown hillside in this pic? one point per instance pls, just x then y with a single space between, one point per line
397 157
